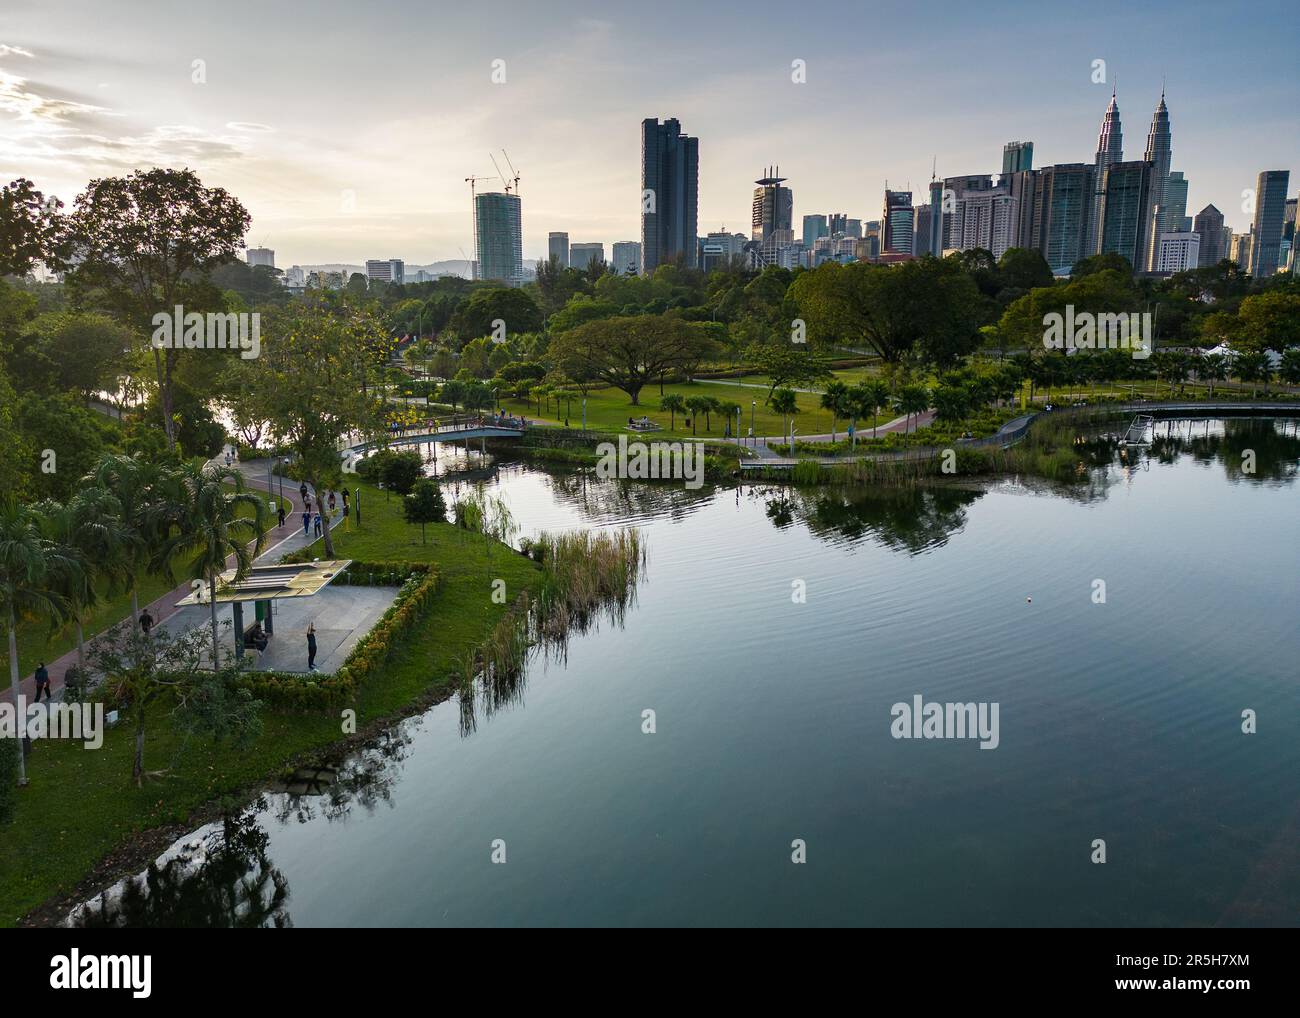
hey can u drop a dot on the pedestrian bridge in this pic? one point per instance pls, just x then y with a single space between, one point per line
458 428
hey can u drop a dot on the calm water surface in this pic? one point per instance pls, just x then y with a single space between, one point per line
1118 721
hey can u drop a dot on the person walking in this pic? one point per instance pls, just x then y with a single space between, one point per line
316 528
331 503
146 622
42 681
302 490
345 501
311 646
306 523
280 513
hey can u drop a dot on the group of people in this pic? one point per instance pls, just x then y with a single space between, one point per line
311 521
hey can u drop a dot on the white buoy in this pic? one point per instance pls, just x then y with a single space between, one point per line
1029 600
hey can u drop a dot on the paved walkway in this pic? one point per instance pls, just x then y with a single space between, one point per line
897 424
279 542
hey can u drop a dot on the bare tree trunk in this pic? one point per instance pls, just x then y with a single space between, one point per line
81 648
14 684
212 597
165 394
137 769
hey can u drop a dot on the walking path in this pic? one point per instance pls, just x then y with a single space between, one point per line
897 424
279 541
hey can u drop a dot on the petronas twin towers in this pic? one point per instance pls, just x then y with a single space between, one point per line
1134 202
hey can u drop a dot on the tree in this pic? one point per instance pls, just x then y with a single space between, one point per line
314 357
912 399
836 400
1269 321
29 226
928 307
1289 369
730 412
425 505
787 365
147 242
1213 367
785 403
675 405
400 471
134 490
629 353
32 570
697 405
477 315
1254 367
951 403
65 352
142 670
204 525
867 398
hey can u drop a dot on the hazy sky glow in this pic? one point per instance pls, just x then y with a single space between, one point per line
392 103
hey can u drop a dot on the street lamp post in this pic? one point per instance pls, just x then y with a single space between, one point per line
753 407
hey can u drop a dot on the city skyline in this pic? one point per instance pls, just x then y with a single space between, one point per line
101 99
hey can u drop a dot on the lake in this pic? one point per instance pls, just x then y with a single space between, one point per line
773 634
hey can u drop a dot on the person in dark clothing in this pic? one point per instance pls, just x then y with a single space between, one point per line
146 622
306 523
42 681
281 514
316 528
257 637
302 490
311 646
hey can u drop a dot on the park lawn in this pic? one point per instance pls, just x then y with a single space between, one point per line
36 642
608 410
81 805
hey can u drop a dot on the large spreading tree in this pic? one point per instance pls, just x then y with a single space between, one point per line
629 353
147 243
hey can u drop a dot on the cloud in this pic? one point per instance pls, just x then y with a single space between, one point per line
249 127
17 51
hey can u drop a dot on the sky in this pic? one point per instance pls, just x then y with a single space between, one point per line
348 129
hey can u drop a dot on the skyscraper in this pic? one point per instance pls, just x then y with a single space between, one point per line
498 237
387 270
557 246
1126 211
814 227
1159 152
773 206
1062 201
670 172
1270 216
935 239
1208 225
260 256
1017 156
582 255
627 257
1110 149
897 223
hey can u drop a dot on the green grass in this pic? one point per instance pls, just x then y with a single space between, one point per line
82 804
609 409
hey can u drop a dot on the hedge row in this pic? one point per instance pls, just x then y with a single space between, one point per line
419 583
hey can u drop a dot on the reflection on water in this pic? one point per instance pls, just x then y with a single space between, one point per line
1119 720
218 877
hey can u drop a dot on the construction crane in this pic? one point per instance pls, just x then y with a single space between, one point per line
499 173
471 181
513 172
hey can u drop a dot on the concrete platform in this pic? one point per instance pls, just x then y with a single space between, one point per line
341 614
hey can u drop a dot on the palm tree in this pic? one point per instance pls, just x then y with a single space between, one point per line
205 524
32 570
1213 368
87 528
875 394
835 399
133 485
729 411
710 406
697 405
912 399
785 403
1255 367
675 405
